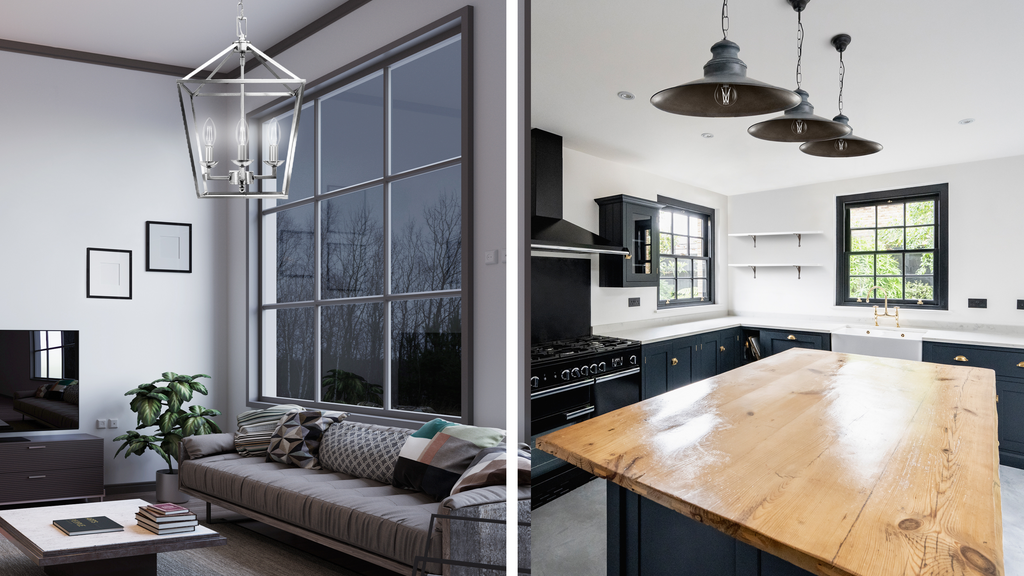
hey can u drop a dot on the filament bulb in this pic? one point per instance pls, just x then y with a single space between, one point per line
799 127
725 95
273 133
209 132
841 145
242 133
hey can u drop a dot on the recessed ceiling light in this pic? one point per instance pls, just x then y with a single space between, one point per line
707 135
967 121
626 95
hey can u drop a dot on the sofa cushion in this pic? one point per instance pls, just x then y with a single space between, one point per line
42 390
362 450
435 456
490 468
208 444
53 412
297 439
376 517
56 391
71 394
256 427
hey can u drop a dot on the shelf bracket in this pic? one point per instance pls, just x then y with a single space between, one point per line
754 237
798 240
754 268
797 272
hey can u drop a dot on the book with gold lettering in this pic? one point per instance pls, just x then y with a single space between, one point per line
90 525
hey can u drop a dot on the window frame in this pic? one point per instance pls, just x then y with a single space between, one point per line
709 241
938 192
63 346
458 23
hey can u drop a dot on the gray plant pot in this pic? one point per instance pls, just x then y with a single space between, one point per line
167 488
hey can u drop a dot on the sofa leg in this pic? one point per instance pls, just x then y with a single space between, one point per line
209 520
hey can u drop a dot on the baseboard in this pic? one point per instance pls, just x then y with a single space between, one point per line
1011 459
129 488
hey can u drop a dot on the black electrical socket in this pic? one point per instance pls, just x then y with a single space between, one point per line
977 302
1020 304
634 302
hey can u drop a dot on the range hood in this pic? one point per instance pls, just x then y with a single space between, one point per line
549 231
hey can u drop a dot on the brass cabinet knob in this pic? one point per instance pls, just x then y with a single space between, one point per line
960 358
675 361
722 349
1020 365
790 337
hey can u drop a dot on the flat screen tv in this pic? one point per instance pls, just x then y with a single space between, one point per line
38 380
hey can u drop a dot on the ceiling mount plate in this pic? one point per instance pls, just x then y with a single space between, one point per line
841 41
798 5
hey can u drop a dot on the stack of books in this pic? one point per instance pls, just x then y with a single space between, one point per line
166 518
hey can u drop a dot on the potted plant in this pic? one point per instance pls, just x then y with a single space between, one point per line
160 403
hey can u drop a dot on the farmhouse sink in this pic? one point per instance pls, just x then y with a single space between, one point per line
879 341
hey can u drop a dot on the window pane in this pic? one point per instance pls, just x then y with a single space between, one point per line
862 241
668 267
859 287
665 243
679 223
696 247
890 215
295 346
920 237
700 268
862 265
53 338
684 267
890 239
352 244
920 263
665 221
426 107
680 245
667 290
890 265
352 354
352 134
700 289
303 169
426 232
921 213
891 288
696 226
39 364
684 289
862 217
56 368
426 355
295 254
920 288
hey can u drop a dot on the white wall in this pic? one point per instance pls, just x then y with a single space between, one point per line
90 154
587 177
985 234
362 32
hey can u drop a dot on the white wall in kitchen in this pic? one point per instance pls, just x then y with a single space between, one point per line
986 201
587 177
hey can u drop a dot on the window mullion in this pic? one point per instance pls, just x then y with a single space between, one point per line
317 280
386 151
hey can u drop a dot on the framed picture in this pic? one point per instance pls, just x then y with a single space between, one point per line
168 247
108 273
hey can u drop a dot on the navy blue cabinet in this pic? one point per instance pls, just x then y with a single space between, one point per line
632 223
773 341
1008 364
673 363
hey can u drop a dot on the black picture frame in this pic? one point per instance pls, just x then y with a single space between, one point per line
157 257
97 277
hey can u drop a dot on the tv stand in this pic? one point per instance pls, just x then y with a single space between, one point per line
56 467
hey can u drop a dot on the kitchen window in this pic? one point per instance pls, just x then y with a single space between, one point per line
362 295
893 245
685 254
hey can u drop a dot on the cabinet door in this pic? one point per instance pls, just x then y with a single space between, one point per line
730 349
671 543
1011 421
775 342
709 357
640 230
667 366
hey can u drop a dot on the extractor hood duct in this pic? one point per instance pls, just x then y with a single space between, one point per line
549 231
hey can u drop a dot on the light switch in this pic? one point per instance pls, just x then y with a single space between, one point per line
491 257
112 423
101 423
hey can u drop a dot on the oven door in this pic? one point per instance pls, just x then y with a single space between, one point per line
618 390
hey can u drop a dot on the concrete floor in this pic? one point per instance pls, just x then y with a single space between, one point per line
569 533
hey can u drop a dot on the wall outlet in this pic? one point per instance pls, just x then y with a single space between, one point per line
977 302
1020 304
101 423
491 257
112 423
633 302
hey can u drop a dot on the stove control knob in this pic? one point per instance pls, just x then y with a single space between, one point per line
602 367
584 370
575 372
565 374
632 360
593 368
535 382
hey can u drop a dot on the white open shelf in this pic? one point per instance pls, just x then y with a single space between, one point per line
754 267
754 235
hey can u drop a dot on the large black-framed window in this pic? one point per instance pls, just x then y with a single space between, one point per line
686 250
365 275
53 355
894 244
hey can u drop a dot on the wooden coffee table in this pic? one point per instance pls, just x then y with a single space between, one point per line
128 553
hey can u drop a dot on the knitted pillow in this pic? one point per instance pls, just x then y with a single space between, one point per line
297 440
71 394
362 450
490 468
435 456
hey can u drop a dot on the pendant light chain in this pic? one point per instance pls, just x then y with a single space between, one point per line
799 48
842 75
240 21
725 19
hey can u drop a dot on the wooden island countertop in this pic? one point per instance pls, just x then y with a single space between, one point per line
840 464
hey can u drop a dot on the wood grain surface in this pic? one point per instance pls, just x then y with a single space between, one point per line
841 464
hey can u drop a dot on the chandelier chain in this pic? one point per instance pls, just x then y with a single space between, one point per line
241 20
799 49
842 76
725 19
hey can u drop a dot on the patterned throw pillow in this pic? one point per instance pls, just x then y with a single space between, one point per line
435 456
42 390
71 394
256 427
362 450
490 467
297 440
56 392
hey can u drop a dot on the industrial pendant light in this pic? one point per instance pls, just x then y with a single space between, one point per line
798 124
239 182
724 91
845 146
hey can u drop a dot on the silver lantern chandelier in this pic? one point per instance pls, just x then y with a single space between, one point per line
202 139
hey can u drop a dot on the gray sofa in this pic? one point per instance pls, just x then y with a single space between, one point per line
55 413
364 518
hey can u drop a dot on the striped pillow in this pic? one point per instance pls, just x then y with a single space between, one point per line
490 468
256 427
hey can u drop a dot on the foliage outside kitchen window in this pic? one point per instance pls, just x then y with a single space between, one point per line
893 245
685 254
362 297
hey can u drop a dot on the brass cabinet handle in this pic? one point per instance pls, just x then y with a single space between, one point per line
960 358
1020 365
790 337
722 349
675 361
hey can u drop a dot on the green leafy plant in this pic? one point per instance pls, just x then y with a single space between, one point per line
348 388
160 403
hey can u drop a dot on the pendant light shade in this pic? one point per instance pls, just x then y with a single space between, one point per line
799 124
844 147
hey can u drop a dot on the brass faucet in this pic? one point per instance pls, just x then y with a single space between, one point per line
885 312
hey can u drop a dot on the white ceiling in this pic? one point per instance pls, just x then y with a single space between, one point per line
913 70
180 32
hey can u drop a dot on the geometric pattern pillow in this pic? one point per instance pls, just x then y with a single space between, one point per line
71 394
490 468
42 390
362 450
297 440
435 456
56 391
255 428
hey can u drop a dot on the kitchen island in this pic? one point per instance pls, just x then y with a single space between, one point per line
838 464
